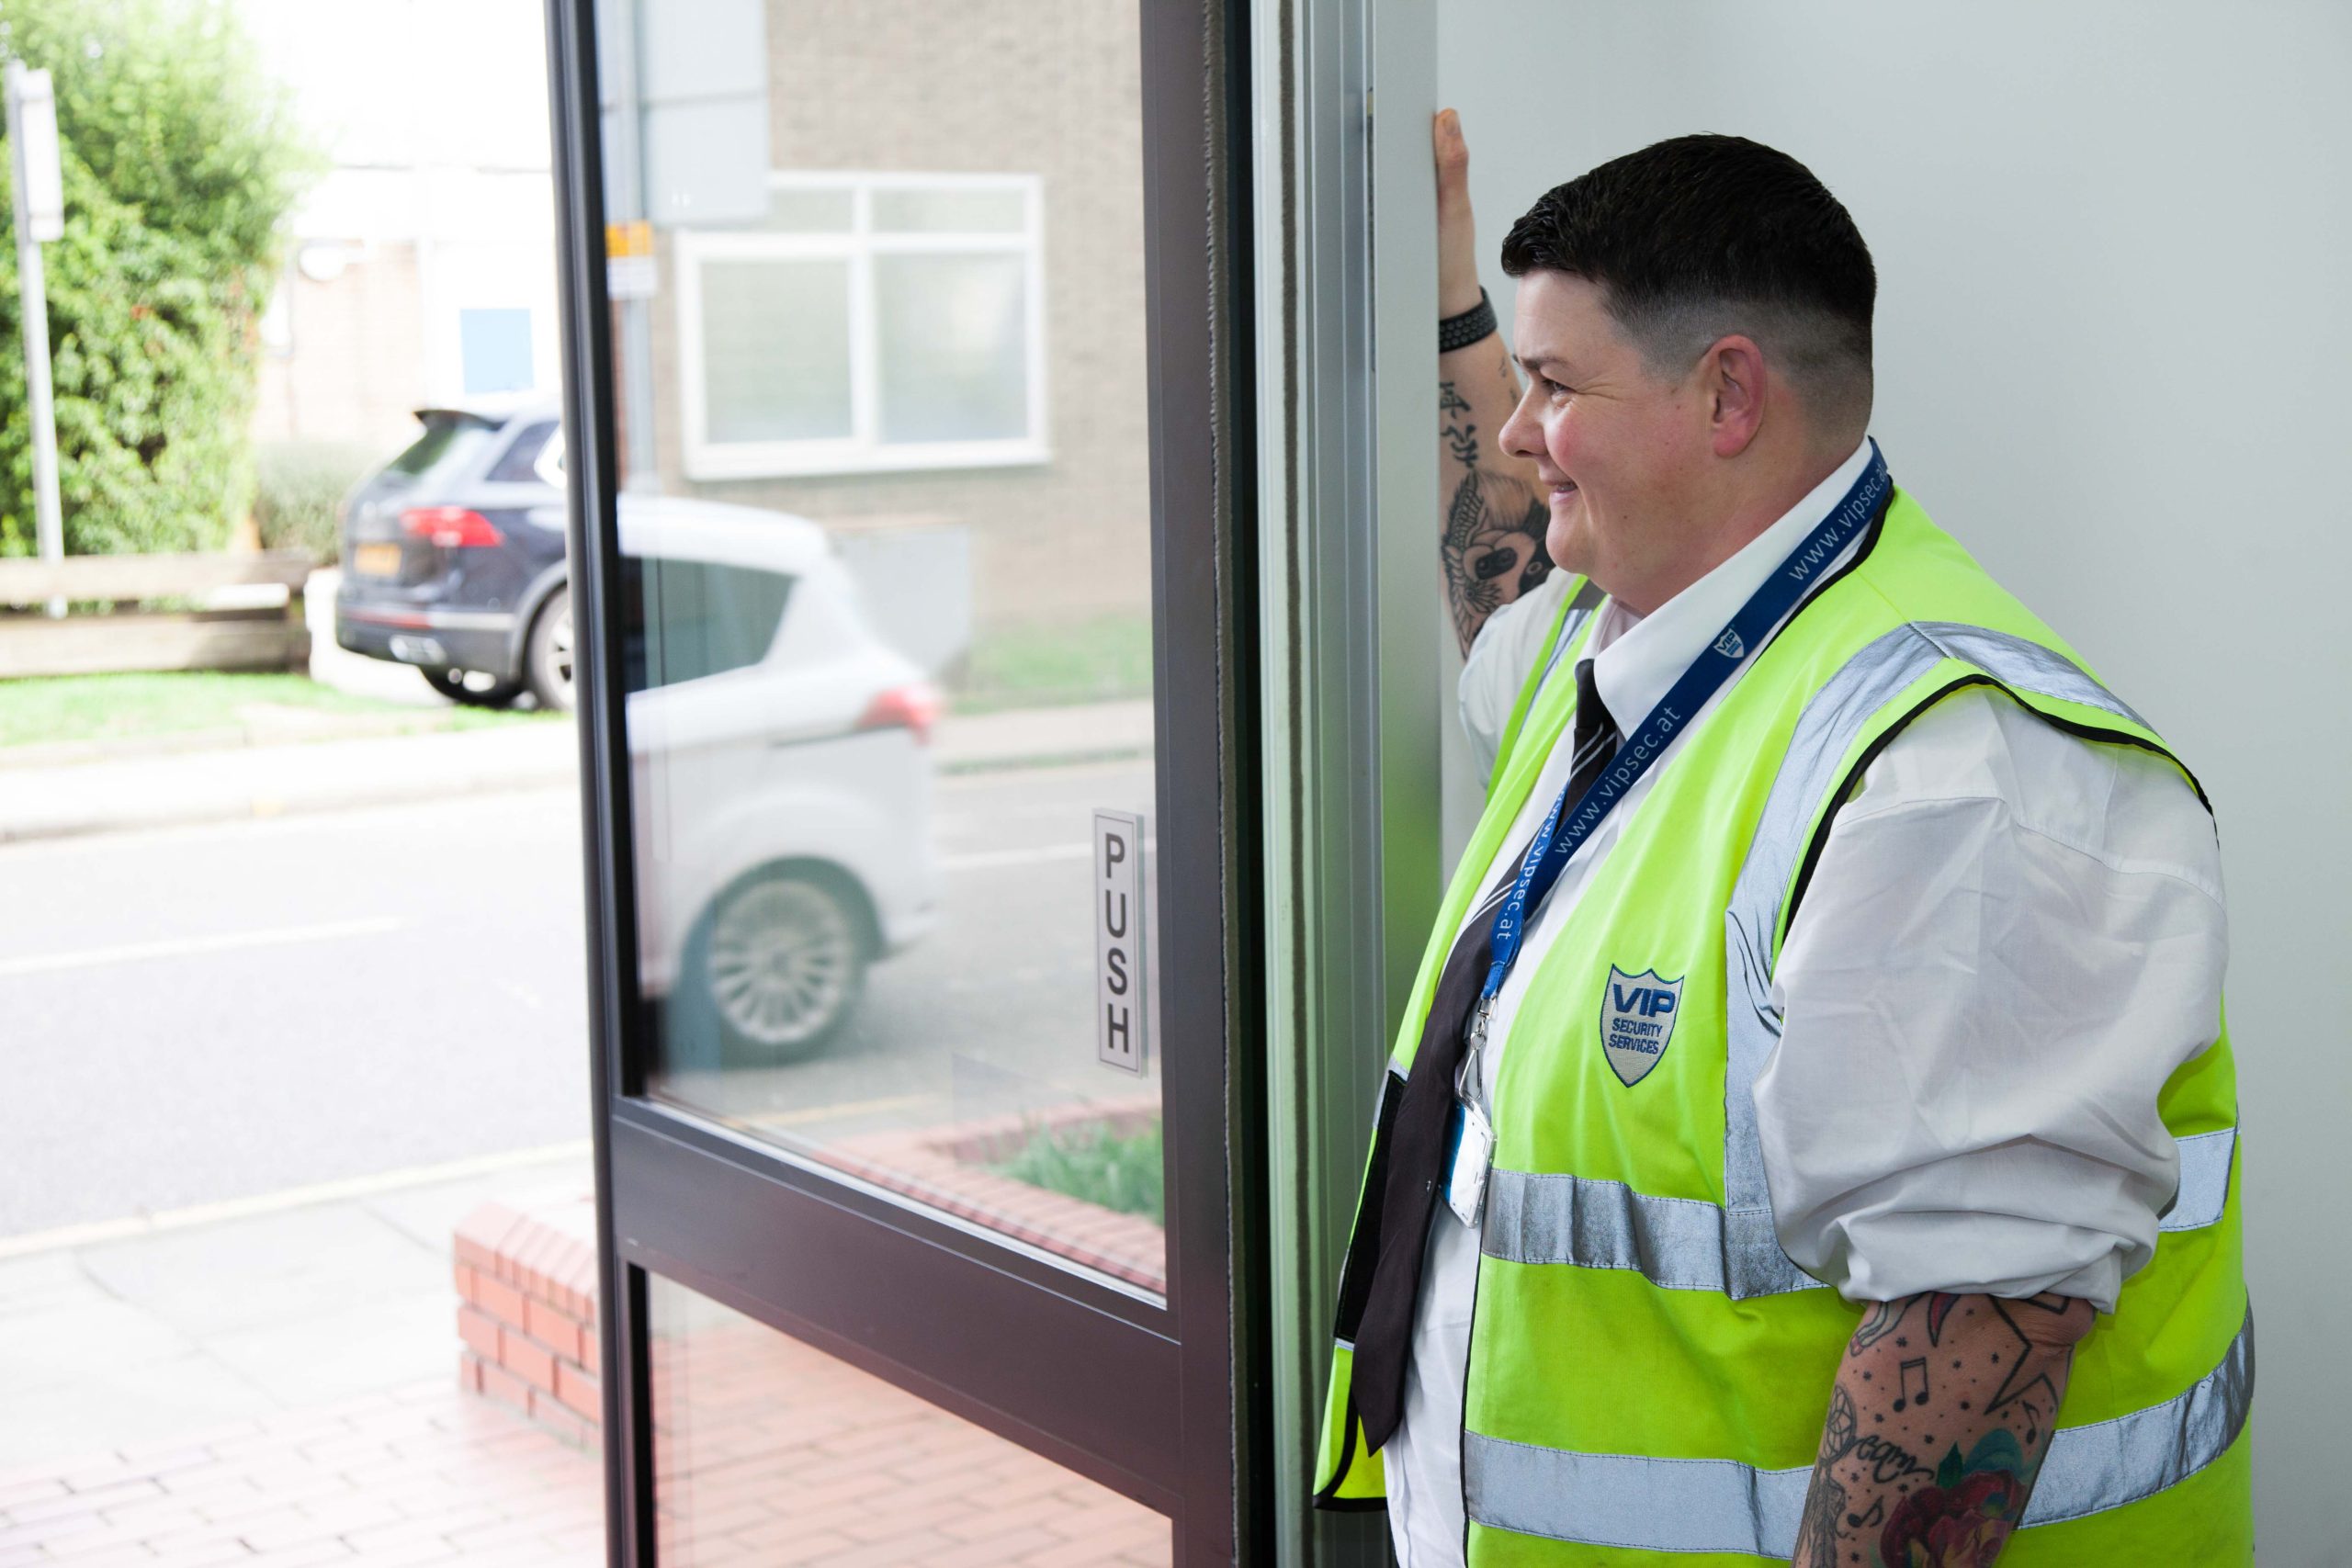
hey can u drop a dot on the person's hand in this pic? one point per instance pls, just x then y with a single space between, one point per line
1457 235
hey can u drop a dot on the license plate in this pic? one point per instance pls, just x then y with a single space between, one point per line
378 560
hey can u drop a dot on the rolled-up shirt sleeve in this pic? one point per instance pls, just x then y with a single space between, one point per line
1501 658
2012 939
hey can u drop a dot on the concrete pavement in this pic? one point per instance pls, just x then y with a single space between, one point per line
131 1333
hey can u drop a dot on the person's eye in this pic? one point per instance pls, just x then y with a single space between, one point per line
1553 388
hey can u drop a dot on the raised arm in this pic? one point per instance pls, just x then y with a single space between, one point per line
1938 1421
1493 517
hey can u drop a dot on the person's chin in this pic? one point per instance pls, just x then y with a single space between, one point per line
1565 538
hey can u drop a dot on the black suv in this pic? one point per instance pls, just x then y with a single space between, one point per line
453 556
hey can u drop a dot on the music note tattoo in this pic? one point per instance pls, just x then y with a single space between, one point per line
1907 1395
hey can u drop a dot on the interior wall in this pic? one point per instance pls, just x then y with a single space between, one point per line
2110 241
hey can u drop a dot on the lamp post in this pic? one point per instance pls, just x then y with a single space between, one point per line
38 198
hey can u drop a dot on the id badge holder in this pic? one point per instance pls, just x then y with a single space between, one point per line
1474 1136
1473 1152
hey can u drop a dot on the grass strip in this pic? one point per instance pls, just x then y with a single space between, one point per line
1095 1164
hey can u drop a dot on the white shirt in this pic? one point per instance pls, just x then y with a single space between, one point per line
2011 938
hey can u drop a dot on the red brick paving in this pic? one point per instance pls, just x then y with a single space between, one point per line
773 1453
770 1455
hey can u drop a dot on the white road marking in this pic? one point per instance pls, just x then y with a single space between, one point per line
181 947
340 1192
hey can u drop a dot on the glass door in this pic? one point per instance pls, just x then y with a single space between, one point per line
906 604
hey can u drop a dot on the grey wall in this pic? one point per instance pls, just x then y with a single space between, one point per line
2111 243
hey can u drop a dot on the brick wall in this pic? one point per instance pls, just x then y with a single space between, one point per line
526 1312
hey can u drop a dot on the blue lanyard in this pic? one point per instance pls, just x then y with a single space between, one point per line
1559 838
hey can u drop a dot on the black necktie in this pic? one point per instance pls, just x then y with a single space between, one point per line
1418 1143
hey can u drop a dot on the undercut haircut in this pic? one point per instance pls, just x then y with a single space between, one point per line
1702 236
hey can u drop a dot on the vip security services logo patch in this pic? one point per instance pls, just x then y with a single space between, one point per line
1637 1014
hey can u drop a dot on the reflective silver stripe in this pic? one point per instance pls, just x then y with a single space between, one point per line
1650 1505
1685 1243
2025 666
1825 732
2110 1463
2204 1180
1680 1244
1684 1504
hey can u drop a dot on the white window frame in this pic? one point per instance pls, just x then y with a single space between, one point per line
863 451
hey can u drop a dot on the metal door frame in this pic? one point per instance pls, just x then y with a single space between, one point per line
1353 636
1177 1398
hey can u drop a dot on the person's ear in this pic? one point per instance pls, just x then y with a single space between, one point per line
1733 384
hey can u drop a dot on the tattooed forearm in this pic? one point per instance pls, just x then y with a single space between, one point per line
1938 1421
1461 435
1492 533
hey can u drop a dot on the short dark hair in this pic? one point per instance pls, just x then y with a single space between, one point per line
1700 236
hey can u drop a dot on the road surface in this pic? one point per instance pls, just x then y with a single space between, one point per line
194 1015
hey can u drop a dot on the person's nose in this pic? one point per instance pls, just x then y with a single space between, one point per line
1521 435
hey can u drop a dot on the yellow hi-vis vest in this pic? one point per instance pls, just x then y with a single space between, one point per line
1648 1370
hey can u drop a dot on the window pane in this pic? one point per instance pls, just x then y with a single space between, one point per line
775 349
794 211
519 464
954 344
451 442
949 211
766 1452
697 618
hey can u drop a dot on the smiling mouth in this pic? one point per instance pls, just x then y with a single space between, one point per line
1564 490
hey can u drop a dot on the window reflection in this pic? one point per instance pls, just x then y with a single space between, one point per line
885 603
766 1452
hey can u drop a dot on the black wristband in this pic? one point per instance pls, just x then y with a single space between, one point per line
1474 325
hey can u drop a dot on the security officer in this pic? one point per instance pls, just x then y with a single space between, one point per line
1812 1134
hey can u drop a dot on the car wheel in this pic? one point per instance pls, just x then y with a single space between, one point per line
472 687
547 663
779 963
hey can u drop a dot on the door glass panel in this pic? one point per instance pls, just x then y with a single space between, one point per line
766 1452
879 374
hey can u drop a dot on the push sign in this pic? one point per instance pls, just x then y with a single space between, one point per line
1120 1017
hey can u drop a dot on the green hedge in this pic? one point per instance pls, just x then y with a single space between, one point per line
299 491
180 163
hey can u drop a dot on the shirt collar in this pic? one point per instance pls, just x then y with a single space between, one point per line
1637 659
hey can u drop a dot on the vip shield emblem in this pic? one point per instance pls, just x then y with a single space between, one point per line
1637 1014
